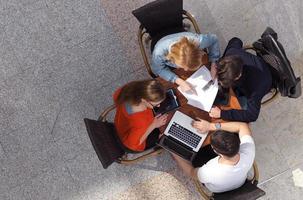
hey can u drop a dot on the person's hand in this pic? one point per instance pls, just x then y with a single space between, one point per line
185 86
215 112
159 120
213 70
201 125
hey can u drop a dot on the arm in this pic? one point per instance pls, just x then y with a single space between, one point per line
249 115
236 127
188 169
135 137
159 68
157 122
210 41
147 132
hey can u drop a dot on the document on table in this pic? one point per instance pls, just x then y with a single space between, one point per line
204 99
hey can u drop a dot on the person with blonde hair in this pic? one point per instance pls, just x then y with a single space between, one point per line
183 50
134 120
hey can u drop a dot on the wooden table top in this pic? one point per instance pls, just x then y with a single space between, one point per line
192 111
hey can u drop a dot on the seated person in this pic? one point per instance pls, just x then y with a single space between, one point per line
183 50
250 78
134 120
235 147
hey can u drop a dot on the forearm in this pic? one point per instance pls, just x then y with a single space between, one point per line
229 126
160 69
239 115
179 81
250 114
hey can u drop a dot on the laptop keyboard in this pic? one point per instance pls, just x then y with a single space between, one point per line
184 135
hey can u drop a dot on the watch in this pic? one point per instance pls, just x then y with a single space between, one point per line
218 126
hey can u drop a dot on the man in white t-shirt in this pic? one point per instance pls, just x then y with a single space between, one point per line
234 145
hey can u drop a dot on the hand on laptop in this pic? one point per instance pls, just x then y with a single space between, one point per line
201 125
160 120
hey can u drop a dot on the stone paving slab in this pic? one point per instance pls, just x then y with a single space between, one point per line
268 153
60 61
9 65
164 186
282 187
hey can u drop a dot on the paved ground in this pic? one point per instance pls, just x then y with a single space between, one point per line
60 60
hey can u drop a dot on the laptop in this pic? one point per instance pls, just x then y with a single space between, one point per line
181 138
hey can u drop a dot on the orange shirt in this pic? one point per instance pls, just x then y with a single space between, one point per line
131 127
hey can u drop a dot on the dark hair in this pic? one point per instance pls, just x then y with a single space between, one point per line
225 143
228 69
133 92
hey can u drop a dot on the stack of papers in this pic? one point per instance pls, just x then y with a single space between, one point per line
204 99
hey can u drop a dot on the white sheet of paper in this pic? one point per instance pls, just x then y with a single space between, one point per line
204 99
298 177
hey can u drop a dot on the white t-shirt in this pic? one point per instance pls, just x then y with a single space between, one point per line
221 177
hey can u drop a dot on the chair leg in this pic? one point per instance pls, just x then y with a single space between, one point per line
255 179
125 160
207 195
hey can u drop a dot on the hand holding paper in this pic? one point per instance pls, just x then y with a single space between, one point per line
204 99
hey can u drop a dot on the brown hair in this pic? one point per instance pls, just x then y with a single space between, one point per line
187 53
228 69
133 92
225 143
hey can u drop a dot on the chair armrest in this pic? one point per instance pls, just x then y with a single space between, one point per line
103 115
192 20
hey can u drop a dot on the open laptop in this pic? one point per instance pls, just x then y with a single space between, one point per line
181 138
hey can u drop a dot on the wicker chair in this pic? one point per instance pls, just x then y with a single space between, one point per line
272 52
107 144
248 191
273 93
158 19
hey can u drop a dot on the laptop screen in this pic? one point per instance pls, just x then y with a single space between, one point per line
170 103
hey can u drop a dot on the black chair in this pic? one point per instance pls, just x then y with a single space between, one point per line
248 191
158 19
107 144
284 80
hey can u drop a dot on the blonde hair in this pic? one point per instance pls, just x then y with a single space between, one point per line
134 92
186 53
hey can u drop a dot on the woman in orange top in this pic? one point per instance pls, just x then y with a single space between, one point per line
135 123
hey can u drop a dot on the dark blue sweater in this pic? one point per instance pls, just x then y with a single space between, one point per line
254 83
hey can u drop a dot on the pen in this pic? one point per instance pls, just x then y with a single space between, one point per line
211 82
